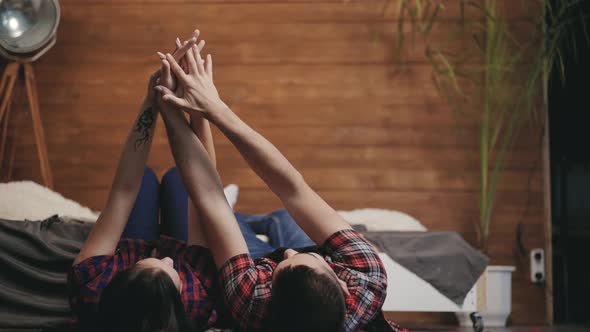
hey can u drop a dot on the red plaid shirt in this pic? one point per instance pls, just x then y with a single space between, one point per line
247 283
200 292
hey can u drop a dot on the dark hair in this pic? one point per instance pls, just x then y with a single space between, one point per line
142 300
304 299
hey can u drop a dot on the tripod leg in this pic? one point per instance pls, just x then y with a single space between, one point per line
9 78
17 123
30 83
4 134
7 85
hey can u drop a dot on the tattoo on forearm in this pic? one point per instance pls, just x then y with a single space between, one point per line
143 127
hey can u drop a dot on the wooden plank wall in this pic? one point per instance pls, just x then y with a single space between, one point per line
319 80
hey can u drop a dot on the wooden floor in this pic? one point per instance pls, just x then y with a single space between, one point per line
446 329
506 329
319 79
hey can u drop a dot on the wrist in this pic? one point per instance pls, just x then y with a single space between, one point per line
216 113
147 103
197 119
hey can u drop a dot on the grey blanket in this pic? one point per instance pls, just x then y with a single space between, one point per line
35 257
34 260
442 259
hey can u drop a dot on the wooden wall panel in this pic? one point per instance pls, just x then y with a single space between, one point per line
318 78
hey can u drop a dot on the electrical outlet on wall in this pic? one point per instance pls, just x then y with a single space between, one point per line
537 265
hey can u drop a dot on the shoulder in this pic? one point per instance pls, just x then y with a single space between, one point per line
88 277
349 248
246 288
241 268
356 262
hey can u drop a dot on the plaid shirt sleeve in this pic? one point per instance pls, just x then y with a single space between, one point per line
356 262
247 289
87 279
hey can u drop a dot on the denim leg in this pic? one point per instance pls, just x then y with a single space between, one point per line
281 229
256 247
174 215
173 206
143 220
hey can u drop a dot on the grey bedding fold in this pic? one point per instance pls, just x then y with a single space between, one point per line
34 260
443 259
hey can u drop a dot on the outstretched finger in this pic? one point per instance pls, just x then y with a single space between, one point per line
178 44
191 61
201 44
200 61
166 73
180 74
183 62
209 66
182 49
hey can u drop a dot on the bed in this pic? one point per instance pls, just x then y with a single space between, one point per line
415 258
420 280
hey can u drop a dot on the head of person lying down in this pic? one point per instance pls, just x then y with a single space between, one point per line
145 297
306 294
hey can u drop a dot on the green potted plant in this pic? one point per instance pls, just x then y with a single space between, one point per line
496 80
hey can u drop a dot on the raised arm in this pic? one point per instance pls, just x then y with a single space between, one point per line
310 211
317 219
198 122
105 234
199 175
200 126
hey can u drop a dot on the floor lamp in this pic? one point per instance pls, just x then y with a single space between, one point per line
27 31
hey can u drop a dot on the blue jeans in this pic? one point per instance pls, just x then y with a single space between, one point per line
278 226
170 199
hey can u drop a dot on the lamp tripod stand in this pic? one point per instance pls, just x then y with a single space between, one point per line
9 80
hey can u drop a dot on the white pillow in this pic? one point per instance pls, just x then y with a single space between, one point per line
376 220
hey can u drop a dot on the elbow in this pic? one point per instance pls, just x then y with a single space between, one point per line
293 187
206 194
126 186
123 193
298 182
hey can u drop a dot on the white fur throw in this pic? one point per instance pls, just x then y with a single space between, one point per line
28 200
